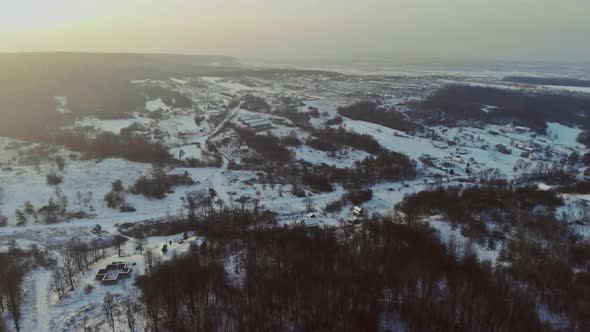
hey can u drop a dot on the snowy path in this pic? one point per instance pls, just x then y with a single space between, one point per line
36 313
217 183
225 121
42 300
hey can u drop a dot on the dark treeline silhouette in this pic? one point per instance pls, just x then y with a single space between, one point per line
584 138
454 103
557 81
372 112
460 204
109 145
295 279
329 139
169 97
96 84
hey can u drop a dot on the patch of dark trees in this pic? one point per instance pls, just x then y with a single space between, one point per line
461 204
255 104
355 197
556 81
334 121
157 184
578 187
455 103
545 257
268 146
216 225
329 139
552 176
372 112
277 161
169 97
584 138
108 145
289 108
384 167
290 140
295 279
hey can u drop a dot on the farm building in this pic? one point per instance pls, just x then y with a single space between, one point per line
256 123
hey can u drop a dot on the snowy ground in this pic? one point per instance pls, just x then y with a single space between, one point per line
85 182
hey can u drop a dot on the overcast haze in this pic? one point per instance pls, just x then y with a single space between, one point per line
501 29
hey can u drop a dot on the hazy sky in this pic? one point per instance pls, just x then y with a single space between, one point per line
511 29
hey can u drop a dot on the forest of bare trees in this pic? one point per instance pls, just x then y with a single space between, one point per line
293 279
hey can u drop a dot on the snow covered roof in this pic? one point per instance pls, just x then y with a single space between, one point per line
313 222
263 123
311 215
249 120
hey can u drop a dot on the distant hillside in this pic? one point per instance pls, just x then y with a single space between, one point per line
137 65
94 83
454 103
548 81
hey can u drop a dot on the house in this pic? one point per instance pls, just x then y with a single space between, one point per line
113 273
259 125
312 222
517 129
358 211
311 215
248 120
440 145
462 151
353 220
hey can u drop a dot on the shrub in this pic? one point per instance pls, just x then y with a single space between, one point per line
358 197
116 197
334 121
371 112
158 183
334 207
53 179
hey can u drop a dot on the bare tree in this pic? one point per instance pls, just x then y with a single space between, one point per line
149 261
58 281
108 310
69 264
119 240
308 204
130 309
140 242
14 297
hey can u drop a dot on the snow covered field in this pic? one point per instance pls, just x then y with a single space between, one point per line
462 152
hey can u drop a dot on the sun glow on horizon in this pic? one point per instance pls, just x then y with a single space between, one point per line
31 15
